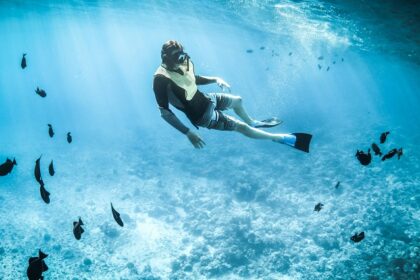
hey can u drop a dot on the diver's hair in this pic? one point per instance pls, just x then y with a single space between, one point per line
167 48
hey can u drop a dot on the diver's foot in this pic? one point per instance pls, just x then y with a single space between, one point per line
288 139
271 122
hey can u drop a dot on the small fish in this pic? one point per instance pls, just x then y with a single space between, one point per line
37 266
364 158
337 185
69 138
37 172
392 153
319 67
116 216
262 48
328 68
376 149
290 53
23 62
77 229
400 153
50 130
249 51
44 194
342 59
383 137
51 169
320 58
40 92
7 167
334 62
318 207
358 237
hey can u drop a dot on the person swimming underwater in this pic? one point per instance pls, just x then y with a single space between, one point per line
175 83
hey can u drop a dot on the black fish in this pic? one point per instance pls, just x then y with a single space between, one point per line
37 172
44 194
37 266
364 159
77 229
319 67
69 138
328 68
320 58
7 167
249 51
51 169
50 131
383 137
334 62
376 149
358 237
337 185
392 153
117 216
290 53
400 153
262 48
23 62
342 59
318 207
40 92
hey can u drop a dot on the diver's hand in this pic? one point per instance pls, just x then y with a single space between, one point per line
222 84
195 139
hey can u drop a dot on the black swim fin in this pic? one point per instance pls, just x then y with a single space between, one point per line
302 141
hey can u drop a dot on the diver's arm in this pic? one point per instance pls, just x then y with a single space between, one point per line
160 85
173 120
204 80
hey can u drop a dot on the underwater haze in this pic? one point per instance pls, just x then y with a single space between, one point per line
344 71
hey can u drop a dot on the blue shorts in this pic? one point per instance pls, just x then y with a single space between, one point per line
214 118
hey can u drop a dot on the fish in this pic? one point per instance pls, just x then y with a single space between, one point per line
249 51
334 62
77 229
7 167
69 138
40 92
342 59
290 53
44 194
23 62
116 216
37 266
319 67
50 130
391 154
37 171
337 185
328 68
358 237
383 137
376 149
51 169
364 158
262 48
320 57
318 207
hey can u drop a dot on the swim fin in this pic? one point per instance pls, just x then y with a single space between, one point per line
302 141
271 122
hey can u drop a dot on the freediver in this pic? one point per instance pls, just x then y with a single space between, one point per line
175 83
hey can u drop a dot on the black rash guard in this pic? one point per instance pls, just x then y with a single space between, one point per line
166 91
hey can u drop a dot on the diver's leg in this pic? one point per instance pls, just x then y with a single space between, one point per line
237 106
256 133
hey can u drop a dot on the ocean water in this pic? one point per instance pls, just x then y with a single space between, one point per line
239 208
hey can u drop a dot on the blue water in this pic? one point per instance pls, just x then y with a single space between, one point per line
239 208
